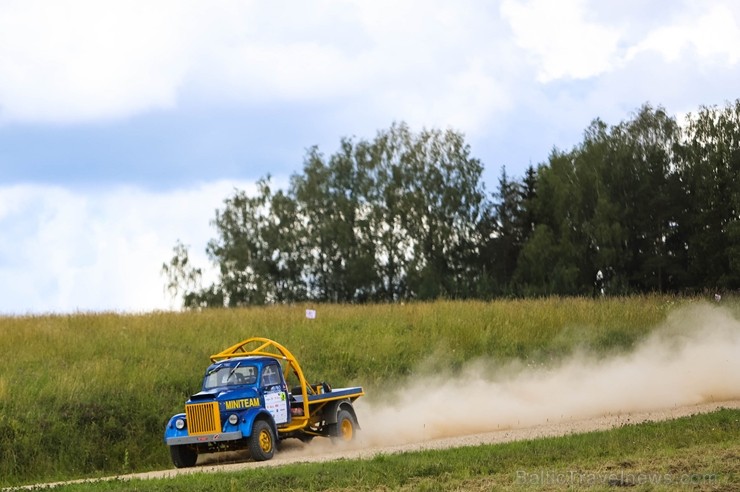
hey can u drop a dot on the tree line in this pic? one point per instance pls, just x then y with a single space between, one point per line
647 205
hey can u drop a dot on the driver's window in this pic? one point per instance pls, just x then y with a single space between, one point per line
270 375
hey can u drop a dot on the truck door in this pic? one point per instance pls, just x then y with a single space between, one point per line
275 393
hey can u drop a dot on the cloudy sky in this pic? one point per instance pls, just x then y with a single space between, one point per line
125 124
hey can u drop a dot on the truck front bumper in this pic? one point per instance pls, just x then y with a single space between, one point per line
206 438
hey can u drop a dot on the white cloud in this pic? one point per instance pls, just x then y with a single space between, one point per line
426 62
85 59
99 250
714 34
564 40
560 39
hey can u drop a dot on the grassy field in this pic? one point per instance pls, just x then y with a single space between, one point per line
89 394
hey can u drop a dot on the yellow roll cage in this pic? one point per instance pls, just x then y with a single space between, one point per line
270 348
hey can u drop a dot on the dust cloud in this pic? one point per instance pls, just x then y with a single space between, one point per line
693 358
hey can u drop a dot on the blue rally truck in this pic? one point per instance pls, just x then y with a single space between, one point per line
246 403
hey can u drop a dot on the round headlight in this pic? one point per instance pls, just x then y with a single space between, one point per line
179 424
233 419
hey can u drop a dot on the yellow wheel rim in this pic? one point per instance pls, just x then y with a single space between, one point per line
265 441
347 429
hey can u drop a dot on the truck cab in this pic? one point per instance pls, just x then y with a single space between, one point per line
236 394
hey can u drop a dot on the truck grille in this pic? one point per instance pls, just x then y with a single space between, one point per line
203 418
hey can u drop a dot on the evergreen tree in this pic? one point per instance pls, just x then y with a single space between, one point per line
709 170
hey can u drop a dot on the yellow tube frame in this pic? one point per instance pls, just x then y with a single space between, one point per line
270 348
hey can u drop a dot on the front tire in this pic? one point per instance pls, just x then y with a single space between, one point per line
261 443
183 456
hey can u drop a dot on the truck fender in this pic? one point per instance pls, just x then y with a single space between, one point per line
171 431
332 409
247 421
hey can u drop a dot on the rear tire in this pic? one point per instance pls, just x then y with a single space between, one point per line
345 430
261 443
183 456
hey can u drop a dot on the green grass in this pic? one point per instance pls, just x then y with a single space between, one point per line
89 394
702 451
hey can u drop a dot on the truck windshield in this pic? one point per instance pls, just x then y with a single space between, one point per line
230 375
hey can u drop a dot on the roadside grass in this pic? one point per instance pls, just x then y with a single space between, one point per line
701 452
89 394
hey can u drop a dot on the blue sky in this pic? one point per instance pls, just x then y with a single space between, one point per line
124 125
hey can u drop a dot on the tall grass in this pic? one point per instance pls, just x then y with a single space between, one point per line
89 394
